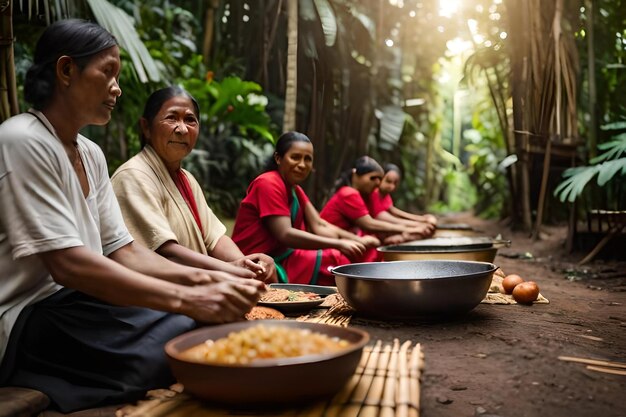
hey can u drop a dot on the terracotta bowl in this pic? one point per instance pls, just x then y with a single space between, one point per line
268 381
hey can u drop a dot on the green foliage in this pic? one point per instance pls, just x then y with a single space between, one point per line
609 165
236 137
485 150
458 194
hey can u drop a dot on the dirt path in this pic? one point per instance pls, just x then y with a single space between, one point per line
502 360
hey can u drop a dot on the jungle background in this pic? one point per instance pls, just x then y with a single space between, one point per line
511 108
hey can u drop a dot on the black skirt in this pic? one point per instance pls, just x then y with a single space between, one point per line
83 352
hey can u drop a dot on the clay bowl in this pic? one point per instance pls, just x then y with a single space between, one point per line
269 381
414 289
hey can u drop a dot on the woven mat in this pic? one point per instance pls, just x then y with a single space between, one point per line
336 311
386 383
495 296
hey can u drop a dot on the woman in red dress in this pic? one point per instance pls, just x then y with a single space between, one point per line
350 207
381 203
277 218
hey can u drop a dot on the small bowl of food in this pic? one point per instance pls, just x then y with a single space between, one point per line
265 362
295 298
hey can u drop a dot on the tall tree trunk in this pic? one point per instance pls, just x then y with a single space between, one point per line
519 83
209 27
591 78
8 85
289 121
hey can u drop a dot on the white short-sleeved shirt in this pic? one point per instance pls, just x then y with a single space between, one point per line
42 208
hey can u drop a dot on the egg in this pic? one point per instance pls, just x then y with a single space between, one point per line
510 282
526 292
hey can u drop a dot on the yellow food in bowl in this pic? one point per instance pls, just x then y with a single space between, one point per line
263 342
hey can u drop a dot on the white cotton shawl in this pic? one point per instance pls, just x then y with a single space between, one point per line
155 211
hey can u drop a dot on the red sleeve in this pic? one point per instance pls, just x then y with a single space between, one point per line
267 196
378 204
344 208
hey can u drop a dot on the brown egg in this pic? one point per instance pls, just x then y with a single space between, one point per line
526 292
511 281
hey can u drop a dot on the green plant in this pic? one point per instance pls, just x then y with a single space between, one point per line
236 138
607 166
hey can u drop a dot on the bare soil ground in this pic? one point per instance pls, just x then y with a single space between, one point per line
502 360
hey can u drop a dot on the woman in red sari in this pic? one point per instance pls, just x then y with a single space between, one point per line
277 218
350 207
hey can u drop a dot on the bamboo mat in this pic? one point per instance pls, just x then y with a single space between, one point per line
335 311
386 383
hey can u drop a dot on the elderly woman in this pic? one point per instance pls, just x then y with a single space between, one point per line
163 205
84 310
350 208
276 217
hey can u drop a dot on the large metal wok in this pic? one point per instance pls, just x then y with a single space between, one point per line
481 249
455 230
412 289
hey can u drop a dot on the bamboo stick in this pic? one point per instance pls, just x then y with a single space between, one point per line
336 404
593 361
403 395
373 400
606 370
415 370
389 394
361 390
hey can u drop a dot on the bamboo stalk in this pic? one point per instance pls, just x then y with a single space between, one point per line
593 361
415 370
336 406
606 370
375 394
389 394
361 390
403 395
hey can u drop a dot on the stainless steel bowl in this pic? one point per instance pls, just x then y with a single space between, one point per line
413 289
481 249
411 253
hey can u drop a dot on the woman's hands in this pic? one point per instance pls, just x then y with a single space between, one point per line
419 231
351 248
219 298
370 241
261 264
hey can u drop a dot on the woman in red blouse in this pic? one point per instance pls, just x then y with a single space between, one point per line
381 203
350 207
277 218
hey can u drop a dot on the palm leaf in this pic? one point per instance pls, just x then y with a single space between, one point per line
614 126
366 21
573 186
328 20
120 24
306 10
112 18
607 170
614 149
